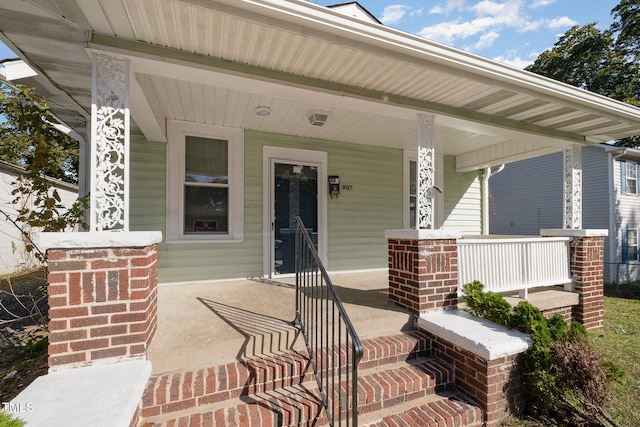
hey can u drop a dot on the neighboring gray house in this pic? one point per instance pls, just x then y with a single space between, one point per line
527 196
13 255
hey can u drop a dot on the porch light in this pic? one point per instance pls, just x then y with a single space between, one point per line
318 118
263 111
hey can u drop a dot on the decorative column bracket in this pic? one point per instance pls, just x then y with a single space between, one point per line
425 174
572 161
109 202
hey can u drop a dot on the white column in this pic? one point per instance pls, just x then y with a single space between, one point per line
109 204
425 173
572 160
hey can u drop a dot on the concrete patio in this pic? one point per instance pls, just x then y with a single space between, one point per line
209 323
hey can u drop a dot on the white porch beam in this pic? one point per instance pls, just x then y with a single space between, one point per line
425 173
146 109
502 153
109 202
572 162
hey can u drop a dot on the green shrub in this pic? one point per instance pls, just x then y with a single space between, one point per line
7 420
566 380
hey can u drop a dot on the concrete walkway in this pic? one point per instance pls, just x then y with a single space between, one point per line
209 323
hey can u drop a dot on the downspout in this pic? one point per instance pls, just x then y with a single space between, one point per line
613 224
488 173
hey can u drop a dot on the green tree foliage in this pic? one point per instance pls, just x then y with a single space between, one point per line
29 139
601 61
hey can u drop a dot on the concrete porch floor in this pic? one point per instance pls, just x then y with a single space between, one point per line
210 323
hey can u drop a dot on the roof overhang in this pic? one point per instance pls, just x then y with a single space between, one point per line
216 61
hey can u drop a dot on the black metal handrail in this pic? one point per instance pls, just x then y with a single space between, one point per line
333 345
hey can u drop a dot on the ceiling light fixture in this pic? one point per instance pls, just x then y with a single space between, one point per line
263 111
318 117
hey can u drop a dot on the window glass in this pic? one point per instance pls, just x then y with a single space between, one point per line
206 209
632 245
206 160
632 178
206 191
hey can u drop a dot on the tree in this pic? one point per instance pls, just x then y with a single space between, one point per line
604 62
29 139
27 132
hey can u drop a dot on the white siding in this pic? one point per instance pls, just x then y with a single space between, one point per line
13 255
462 199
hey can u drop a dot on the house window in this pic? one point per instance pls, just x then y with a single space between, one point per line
205 183
629 178
630 245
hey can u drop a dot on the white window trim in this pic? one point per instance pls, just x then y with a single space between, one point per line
177 132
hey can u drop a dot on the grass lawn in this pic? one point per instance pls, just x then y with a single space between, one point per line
620 344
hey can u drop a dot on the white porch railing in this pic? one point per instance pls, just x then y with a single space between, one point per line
514 264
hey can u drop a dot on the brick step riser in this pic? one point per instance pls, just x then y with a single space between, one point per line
376 390
441 413
178 391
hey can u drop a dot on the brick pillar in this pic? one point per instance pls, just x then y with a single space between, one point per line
587 271
102 296
423 269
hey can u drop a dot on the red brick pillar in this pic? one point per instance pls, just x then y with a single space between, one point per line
587 269
587 272
102 296
423 269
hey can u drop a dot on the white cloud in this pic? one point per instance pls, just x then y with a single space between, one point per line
511 57
394 13
514 61
450 7
541 3
486 40
563 22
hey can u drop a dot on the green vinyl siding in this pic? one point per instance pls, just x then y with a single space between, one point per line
357 219
462 199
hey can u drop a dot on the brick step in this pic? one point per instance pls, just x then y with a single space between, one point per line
450 409
396 383
176 391
297 406
379 387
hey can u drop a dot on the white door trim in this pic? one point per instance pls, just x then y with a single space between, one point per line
270 156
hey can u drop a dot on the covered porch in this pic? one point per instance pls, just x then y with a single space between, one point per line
202 324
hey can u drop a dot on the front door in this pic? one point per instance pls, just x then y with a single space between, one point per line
295 194
295 185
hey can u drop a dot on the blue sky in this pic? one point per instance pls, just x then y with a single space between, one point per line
510 31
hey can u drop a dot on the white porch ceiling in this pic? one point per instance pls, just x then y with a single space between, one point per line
216 61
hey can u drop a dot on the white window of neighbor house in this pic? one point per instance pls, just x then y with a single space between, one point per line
205 188
629 179
631 245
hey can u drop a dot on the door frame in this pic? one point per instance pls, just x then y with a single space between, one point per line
270 156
